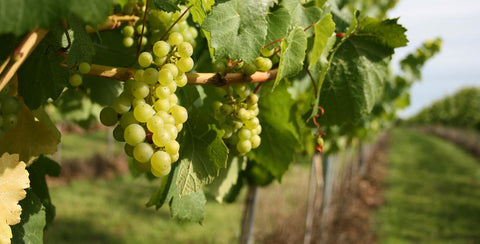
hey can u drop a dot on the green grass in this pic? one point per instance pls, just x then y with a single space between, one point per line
86 145
432 193
113 211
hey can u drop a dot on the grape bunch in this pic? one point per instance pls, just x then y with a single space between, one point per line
237 116
9 108
75 78
147 111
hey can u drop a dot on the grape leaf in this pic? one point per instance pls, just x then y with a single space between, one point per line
278 23
190 208
82 49
37 171
357 73
323 32
292 55
387 32
30 137
20 16
13 181
279 136
199 9
203 154
227 178
238 28
302 15
41 76
165 5
30 230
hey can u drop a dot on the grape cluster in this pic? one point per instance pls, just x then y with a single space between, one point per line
238 118
76 79
147 111
9 108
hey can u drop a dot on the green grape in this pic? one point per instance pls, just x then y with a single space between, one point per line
75 80
145 59
141 167
84 68
144 40
168 119
10 105
121 104
138 75
143 112
143 152
252 123
172 68
128 31
161 163
227 133
165 77
179 113
10 121
257 130
172 147
174 157
134 134
173 99
244 146
181 80
244 134
128 41
241 90
193 31
161 48
139 89
160 61
226 109
155 123
138 101
219 66
320 141
185 49
185 64
162 105
127 119
242 114
108 116
179 127
172 129
237 125
255 140
128 149
263 64
175 38
252 99
118 133
267 52
139 29
172 87
249 69
161 137
150 76
162 92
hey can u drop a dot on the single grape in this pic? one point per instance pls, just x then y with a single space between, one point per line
161 163
127 119
175 157
172 87
161 48
128 149
84 68
143 112
121 104
161 137
138 101
143 152
172 68
181 80
244 146
263 64
242 114
138 75
145 59
172 147
150 76
244 134
128 31
144 40
173 99
139 29
175 38
249 69
172 129
155 123
255 140
139 89
179 113
75 80
162 105
185 49
252 99
118 133
252 123
267 52
162 92
128 41
165 77
185 64
108 116
219 66
134 134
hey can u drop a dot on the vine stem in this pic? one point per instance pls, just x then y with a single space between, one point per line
213 79
249 215
113 22
11 65
143 29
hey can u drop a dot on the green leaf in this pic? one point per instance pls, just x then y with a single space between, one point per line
30 229
292 54
203 154
323 32
227 178
41 76
278 24
238 28
190 208
165 5
386 32
302 15
82 49
102 91
279 136
199 9
20 16
37 171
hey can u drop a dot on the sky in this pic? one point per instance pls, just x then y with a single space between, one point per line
458 63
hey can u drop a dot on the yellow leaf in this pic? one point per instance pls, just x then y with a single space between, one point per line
31 137
13 181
